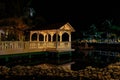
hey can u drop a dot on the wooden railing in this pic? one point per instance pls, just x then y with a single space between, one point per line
17 45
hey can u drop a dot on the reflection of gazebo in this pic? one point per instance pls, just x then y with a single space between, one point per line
52 38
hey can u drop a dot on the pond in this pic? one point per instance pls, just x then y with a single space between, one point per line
79 61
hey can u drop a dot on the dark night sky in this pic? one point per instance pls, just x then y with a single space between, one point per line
78 13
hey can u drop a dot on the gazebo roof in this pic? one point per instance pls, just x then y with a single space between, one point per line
60 26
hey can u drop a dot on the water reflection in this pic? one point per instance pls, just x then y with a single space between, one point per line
36 60
94 58
81 59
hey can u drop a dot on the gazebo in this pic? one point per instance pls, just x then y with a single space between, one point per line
52 37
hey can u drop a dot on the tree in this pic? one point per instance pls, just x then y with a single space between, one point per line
14 27
111 28
92 31
106 25
20 17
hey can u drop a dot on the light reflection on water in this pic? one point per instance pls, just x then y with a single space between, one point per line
95 58
81 59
